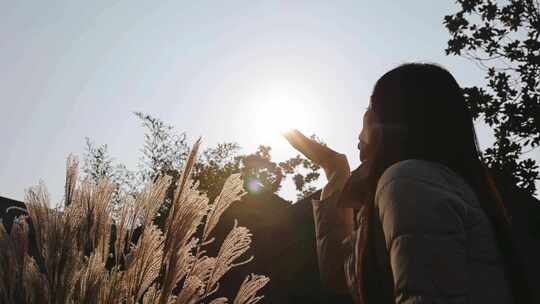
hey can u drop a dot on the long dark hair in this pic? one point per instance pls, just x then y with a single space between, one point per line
436 125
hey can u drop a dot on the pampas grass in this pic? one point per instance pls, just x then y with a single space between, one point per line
248 290
85 255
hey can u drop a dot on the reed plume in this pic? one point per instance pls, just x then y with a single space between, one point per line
143 264
85 255
57 245
219 301
235 245
248 290
14 248
232 191
90 279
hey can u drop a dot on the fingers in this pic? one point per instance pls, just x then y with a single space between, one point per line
313 150
335 165
304 145
295 138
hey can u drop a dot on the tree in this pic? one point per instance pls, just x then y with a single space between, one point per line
502 38
165 150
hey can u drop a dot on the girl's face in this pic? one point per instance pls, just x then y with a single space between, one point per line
365 137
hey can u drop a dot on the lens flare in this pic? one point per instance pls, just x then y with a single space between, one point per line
253 186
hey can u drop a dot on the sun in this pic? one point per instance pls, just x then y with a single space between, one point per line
277 115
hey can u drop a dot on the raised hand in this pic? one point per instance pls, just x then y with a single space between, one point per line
335 165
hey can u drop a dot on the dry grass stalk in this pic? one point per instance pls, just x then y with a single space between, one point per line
75 262
235 245
36 282
72 172
14 247
143 264
90 280
56 240
203 269
219 301
186 259
232 191
140 210
114 290
248 290
191 291
95 203
188 208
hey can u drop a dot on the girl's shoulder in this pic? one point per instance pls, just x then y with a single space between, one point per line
420 174
417 169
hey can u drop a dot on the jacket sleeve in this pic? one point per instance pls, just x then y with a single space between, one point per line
426 240
333 225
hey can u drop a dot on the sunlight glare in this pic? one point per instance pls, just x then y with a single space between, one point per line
277 115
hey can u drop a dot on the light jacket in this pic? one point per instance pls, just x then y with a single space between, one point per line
437 241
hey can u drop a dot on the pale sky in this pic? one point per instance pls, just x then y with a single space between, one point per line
76 69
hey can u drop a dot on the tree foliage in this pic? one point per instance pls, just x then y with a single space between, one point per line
502 37
164 150
164 153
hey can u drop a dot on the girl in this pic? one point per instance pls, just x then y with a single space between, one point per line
420 220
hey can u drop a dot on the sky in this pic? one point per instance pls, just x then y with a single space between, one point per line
223 70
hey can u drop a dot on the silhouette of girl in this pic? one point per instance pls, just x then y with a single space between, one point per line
420 221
